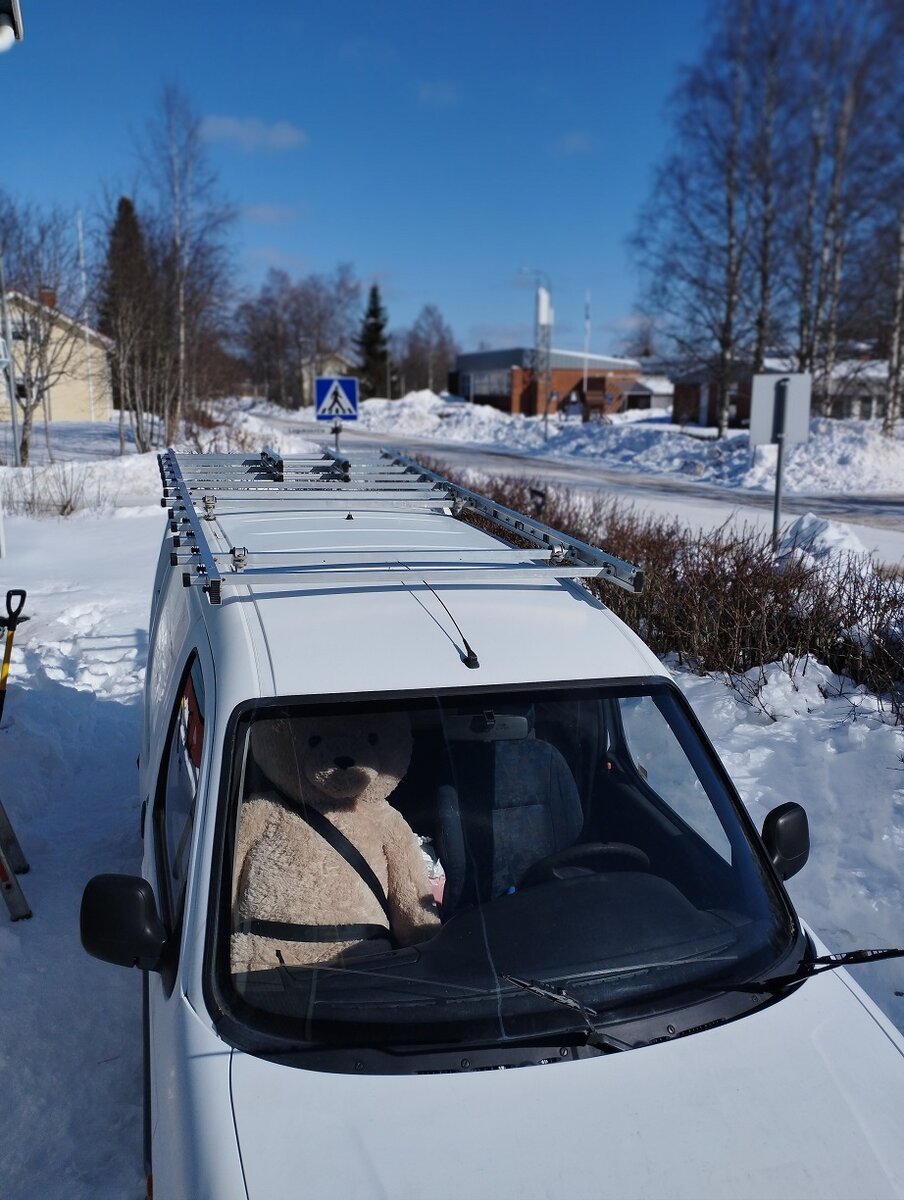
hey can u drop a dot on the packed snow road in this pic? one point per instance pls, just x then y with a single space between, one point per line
880 509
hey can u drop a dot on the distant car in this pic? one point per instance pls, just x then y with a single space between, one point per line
618 999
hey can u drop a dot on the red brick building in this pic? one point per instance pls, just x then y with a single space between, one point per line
508 380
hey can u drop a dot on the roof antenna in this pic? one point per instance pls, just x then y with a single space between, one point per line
470 659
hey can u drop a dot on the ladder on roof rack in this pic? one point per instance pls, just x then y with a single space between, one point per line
198 488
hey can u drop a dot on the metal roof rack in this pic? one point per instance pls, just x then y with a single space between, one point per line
199 488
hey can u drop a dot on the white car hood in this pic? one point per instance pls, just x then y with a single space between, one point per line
801 1099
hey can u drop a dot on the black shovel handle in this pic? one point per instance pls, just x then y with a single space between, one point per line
13 610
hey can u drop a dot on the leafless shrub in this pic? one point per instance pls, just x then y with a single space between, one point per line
58 490
724 605
209 435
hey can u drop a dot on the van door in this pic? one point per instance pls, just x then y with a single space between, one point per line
181 773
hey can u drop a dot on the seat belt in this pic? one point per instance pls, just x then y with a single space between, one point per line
339 842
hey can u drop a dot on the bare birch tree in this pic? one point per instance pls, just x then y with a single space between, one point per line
290 329
40 254
189 235
425 354
693 235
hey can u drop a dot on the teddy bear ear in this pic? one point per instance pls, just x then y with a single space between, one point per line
274 748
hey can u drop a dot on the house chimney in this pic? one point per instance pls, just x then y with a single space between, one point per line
47 296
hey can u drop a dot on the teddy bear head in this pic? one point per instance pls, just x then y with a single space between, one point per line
334 762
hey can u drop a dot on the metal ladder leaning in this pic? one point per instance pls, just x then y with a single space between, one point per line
12 863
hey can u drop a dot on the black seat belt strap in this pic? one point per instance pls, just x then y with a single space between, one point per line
286 931
352 855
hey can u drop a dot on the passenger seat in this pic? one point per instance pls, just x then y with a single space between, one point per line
511 803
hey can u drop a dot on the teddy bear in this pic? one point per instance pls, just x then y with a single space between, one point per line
343 767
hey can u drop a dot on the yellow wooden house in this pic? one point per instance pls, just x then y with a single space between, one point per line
76 356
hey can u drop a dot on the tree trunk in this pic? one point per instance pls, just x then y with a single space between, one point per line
896 349
28 411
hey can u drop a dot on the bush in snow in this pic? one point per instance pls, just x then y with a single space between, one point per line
724 604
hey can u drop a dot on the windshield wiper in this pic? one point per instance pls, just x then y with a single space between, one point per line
810 967
602 1041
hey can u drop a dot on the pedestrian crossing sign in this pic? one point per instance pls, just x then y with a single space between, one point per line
336 399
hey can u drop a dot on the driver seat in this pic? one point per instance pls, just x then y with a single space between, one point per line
512 803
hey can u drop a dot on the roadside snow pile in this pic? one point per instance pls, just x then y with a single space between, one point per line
244 424
424 414
841 456
821 539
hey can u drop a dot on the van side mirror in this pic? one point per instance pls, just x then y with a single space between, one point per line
786 834
119 922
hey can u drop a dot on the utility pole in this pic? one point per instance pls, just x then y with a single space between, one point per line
543 343
586 342
10 365
81 263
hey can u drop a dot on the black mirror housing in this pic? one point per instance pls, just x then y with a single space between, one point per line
786 834
119 922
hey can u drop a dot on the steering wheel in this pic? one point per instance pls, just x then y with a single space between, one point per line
605 856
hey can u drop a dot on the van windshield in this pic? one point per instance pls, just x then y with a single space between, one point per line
399 870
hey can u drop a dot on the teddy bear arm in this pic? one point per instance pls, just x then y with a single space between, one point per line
252 822
413 914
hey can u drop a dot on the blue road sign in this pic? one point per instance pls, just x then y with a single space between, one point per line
336 399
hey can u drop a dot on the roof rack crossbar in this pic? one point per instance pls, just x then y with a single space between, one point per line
618 571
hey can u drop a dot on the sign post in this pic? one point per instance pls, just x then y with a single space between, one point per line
336 400
779 416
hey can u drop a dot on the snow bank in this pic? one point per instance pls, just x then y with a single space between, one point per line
824 743
841 456
821 539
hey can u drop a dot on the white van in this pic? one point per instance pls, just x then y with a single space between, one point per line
445 892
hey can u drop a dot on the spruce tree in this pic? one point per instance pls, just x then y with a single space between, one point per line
125 314
372 346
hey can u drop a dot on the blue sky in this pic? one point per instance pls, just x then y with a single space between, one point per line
439 148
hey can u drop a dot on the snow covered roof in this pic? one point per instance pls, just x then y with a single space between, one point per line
20 300
656 385
524 356
875 370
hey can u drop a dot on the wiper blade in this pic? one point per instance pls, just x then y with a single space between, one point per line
558 995
814 966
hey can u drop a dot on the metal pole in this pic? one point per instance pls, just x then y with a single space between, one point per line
10 367
586 343
81 263
778 436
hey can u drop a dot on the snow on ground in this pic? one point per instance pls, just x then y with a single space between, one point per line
841 456
70 1054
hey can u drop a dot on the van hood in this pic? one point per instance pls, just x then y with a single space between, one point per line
800 1099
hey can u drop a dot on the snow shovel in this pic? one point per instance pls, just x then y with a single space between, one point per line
12 860
15 602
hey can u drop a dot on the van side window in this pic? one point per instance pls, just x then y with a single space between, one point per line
178 790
